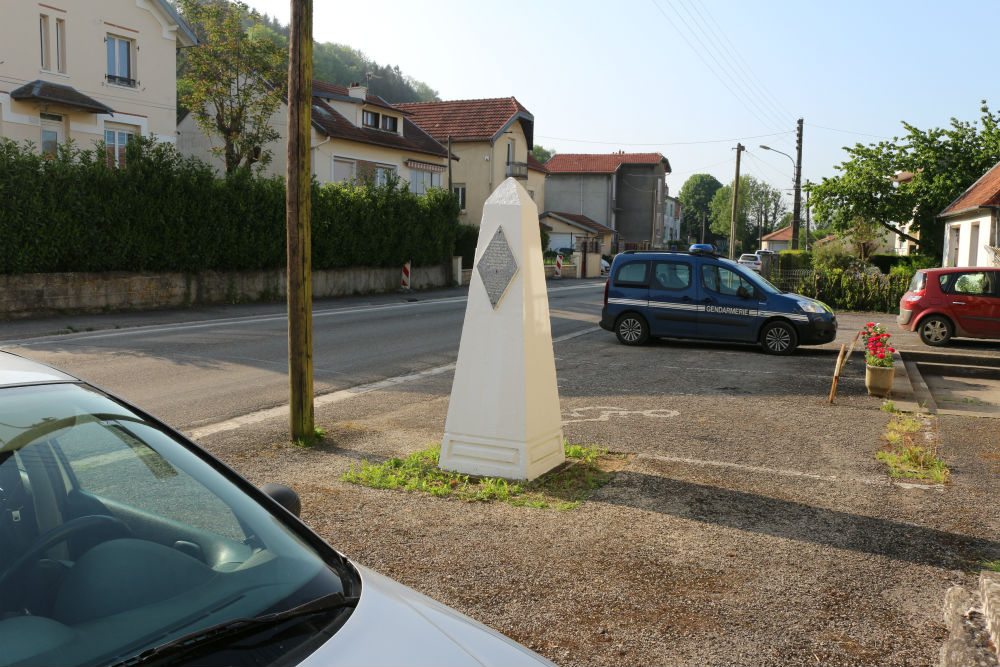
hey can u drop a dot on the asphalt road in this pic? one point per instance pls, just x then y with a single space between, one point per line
199 367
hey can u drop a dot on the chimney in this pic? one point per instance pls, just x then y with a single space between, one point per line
358 91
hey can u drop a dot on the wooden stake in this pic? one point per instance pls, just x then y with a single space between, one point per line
836 372
298 209
841 362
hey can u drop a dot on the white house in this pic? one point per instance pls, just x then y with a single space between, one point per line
972 224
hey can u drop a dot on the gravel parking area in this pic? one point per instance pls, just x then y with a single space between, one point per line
751 526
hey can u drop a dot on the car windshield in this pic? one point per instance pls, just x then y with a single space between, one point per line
115 538
758 280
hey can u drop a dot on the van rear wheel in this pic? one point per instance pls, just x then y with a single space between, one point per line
779 338
632 329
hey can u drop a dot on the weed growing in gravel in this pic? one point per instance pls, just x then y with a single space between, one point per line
991 565
315 438
561 489
907 459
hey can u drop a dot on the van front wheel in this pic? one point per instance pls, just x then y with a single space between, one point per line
779 338
632 329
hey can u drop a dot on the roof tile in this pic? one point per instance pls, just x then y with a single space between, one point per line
329 121
599 163
465 120
984 192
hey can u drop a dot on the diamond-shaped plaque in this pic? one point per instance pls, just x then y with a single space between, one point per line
497 267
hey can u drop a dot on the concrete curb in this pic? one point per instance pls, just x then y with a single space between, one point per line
989 592
969 641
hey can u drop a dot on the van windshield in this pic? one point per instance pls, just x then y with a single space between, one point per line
758 280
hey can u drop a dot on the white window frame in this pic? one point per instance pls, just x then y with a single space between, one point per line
382 172
119 136
374 115
422 179
113 52
44 41
459 189
387 119
61 46
52 123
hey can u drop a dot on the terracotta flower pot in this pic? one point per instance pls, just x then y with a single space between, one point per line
878 379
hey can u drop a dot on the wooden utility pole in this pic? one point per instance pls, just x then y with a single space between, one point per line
797 202
298 209
736 194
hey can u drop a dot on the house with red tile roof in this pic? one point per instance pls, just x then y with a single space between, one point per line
778 240
972 224
622 191
354 134
492 139
568 230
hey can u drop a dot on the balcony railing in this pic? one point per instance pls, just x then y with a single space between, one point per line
517 170
120 80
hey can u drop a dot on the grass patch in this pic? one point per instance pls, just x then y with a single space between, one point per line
991 565
906 459
314 439
586 469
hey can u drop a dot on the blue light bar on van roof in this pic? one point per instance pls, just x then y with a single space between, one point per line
700 247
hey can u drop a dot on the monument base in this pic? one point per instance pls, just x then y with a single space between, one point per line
496 457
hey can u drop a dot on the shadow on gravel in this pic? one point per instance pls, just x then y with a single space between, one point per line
796 521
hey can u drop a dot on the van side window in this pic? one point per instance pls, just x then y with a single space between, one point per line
634 273
724 281
672 275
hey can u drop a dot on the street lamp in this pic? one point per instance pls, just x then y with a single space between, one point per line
796 166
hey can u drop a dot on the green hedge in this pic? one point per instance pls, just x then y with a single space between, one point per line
165 212
886 261
851 290
790 260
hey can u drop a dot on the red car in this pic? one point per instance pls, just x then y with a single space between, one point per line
956 301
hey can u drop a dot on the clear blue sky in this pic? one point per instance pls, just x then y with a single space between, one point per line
690 78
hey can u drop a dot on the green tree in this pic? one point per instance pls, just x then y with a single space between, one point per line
939 163
721 213
542 154
234 80
765 207
696 198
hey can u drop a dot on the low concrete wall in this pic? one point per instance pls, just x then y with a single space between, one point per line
38 294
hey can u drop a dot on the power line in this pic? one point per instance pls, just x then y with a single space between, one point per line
833 129
789 117
707 64
664 143
727 62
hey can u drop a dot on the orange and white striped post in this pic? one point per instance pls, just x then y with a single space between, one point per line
559 258
406 276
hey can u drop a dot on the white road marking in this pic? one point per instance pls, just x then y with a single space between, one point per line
236 321
606 412
337 396
738 466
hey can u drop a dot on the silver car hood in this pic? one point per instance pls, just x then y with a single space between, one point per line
394 625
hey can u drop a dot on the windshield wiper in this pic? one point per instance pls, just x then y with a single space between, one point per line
233 629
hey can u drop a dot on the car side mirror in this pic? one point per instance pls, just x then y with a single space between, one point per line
284 496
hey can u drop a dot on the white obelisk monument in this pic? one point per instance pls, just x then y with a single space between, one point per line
504 418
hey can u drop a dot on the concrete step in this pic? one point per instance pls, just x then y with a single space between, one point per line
973 622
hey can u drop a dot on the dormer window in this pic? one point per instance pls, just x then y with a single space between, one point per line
390 123
370 119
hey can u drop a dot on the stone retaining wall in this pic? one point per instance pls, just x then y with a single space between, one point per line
40 294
